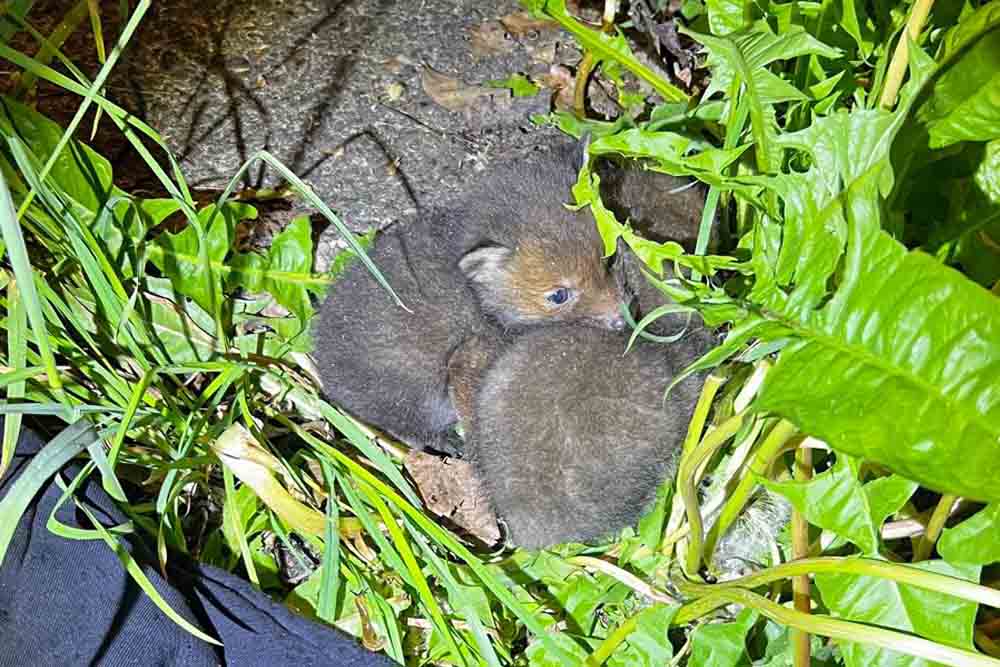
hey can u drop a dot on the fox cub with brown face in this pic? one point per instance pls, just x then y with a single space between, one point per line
507 257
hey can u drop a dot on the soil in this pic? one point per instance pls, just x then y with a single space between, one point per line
337 90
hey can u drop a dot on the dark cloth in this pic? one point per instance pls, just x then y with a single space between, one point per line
68 602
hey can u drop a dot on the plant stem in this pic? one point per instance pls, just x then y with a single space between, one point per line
687 479
624 576
853 632
775 441
904 574
608 646
941 512
695 426
583 71
901 56
800 550
588 62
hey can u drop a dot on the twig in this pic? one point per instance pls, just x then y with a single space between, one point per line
800 549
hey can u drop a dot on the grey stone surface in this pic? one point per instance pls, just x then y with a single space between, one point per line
333 90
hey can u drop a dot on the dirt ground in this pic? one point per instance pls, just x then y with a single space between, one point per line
382 106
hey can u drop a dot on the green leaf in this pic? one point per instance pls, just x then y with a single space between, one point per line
543 654
726 16
285 271
882 602
176 255
519 85
647 645
722 644
964 104
80 174
912 347
71 441
608 47
747 53
835 501
976 540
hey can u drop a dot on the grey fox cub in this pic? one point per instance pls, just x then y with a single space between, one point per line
506 257
660 208
570 438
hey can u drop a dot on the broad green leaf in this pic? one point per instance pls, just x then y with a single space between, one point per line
80 174
835 501
882 602
722 644
670 151
911 346
964 104
747 53
542 654
176 255
726 16
647 645
976 540
285 271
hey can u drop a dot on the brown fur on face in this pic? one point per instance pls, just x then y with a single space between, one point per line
516 286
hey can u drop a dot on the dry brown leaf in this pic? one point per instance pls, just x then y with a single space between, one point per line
523 23
449 92
451 490
561 81
489 39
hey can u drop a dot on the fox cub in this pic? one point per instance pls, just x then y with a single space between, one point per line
505 258
570 438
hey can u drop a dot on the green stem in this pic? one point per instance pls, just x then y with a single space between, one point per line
687 479
901 56
926 544
773 444
853 632
904 574
613 641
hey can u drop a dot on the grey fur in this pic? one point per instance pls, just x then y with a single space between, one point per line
571 439
660 208
388 366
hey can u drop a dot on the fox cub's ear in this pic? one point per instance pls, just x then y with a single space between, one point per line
483 265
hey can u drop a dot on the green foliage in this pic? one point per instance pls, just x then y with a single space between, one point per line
858 291
518 84
722 644
939 617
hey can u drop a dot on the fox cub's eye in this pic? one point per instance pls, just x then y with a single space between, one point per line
558 296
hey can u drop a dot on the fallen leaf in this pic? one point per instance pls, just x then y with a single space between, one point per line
683 74
523 23
449 92
489 39
394 91
451 490
561 82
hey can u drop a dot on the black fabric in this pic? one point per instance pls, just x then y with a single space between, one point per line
67 602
